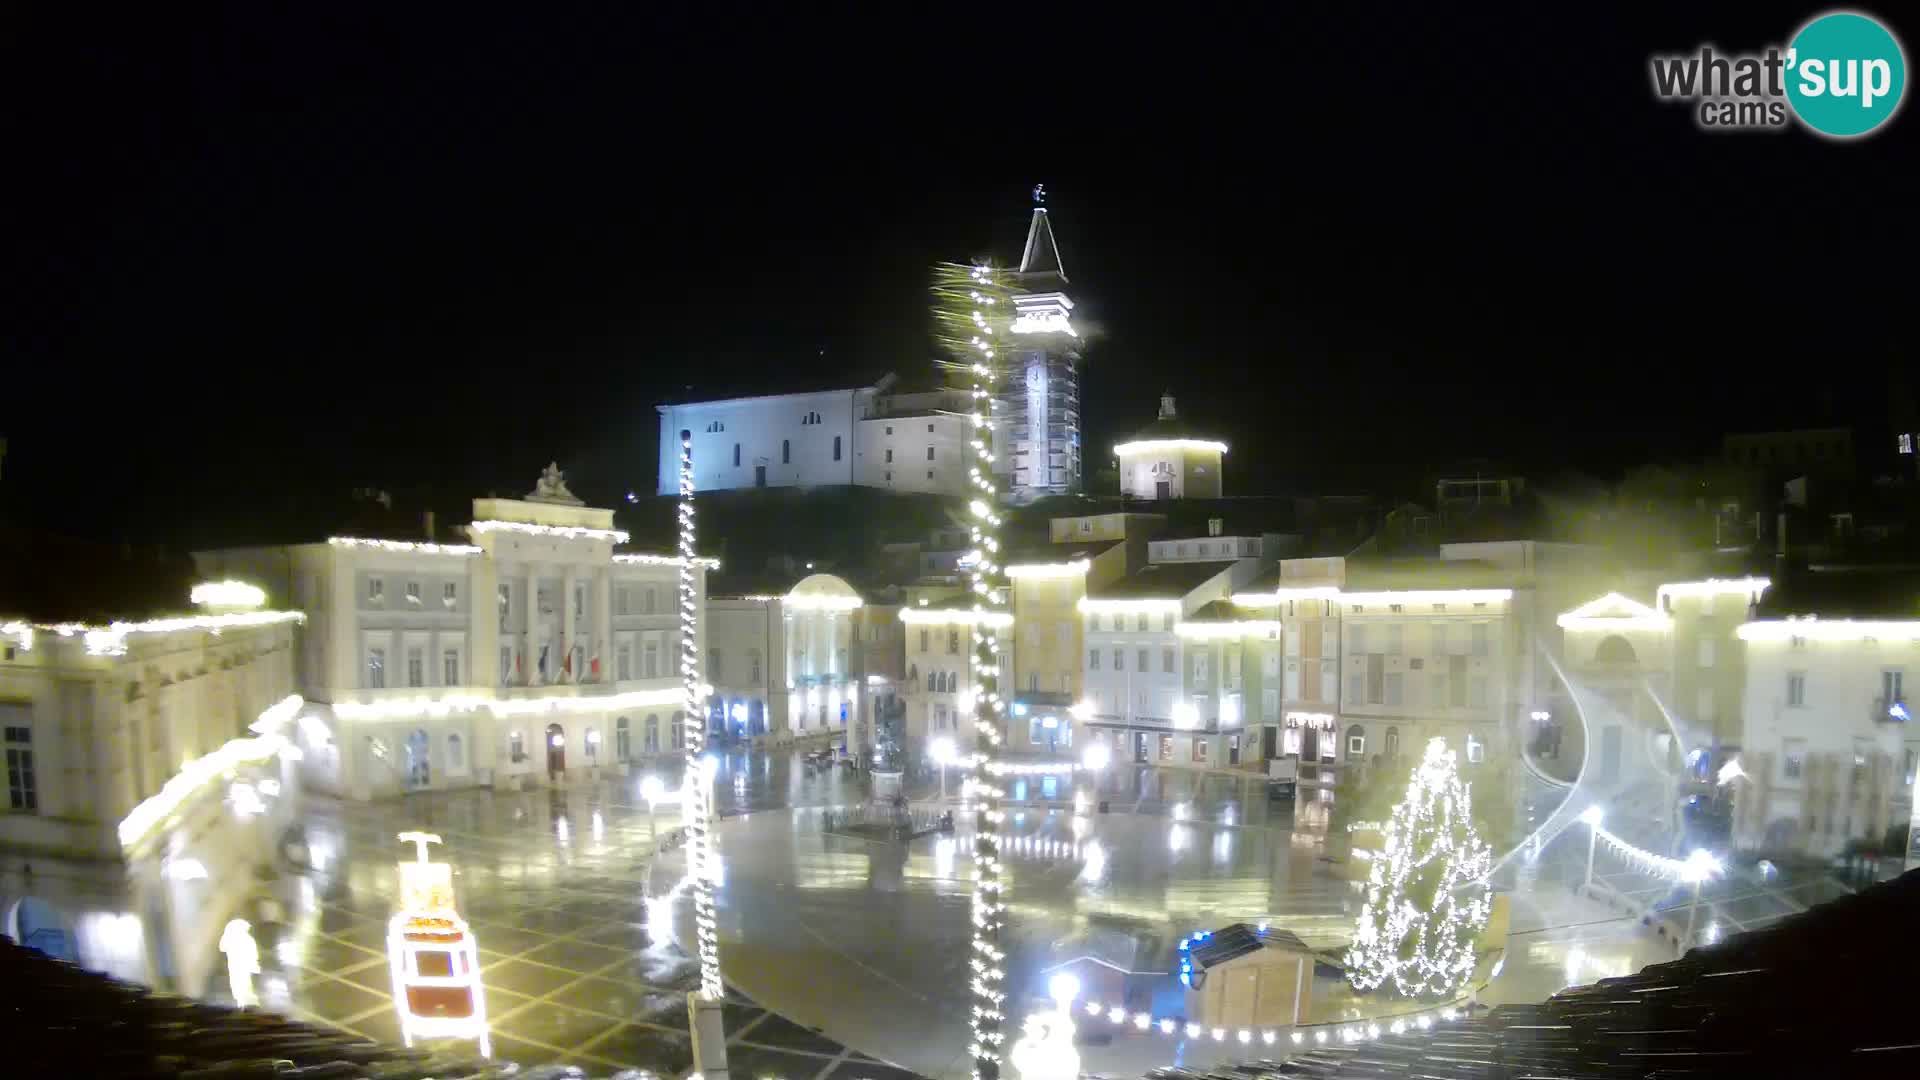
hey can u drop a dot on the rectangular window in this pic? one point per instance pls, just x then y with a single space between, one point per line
650 660
1093 659
579 601
1166 660
1793 758
1199 748
23 787
376 590
1200 666
506 599
1479 632
929 453
1141 661
1166 623
623 662
450 667
1893 685
786 451
1704 652
1393 688
622 600
1119 660
736 455
836 448
416 666
953 641
1356 746
413 592
1166 748
1093 623
889 457
450 594
377 668
1270 704
1796 689
1476 749
647 600
1293 680
923 639
1357 688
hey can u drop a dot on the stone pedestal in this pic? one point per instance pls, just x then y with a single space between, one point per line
886 785
704 1020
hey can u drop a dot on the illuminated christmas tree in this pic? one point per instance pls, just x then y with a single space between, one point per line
1427 896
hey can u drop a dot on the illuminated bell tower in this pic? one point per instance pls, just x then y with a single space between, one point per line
1044 403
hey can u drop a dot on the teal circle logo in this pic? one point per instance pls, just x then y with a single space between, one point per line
1845 74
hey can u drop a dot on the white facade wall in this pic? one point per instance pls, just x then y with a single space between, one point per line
1130 693
783 441
1188 470
939 683
105 733
1825 762
926 453
747 635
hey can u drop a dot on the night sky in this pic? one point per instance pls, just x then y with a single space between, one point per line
259 256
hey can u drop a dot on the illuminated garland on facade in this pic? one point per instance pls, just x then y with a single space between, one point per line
568 532
970 312
1427 895
662 560
200 772
410 547
700 805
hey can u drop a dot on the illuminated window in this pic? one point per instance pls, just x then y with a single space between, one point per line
1356 741
376 590
23 789
1906 442
413 592
376 668
449 594
1476 750
1166 748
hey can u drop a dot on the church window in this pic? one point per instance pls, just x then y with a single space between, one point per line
836 448
786 452
736 455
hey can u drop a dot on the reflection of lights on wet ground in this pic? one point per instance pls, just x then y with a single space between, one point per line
944 849
1178 837
1222 847
562 830
1713 932
599 827
1096 864
1180 811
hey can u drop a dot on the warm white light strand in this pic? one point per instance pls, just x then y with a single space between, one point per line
198 772
566 532
662 560
1424 944
700 783
406 547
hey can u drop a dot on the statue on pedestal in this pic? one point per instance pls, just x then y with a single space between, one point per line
552 487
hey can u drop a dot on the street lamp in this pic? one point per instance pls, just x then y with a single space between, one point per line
1700 866
1592 815
942 751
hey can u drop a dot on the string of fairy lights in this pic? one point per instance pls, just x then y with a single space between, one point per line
971 310
699 784
1427 895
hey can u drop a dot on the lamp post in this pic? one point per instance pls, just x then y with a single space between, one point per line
651 789
1592 815
942 752
1700 866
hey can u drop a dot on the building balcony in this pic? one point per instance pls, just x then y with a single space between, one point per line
1891 710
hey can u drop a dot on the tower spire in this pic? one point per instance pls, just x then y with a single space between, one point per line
1042 255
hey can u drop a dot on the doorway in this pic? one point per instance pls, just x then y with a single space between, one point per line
556 751
419 772
1233 749
1269 743
1162 489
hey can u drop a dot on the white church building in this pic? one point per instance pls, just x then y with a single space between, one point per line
890 437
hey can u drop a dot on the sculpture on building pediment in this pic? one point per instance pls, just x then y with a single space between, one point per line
553 486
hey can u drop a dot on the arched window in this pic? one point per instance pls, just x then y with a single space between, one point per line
622 740
679 731
593 744
913 673
1356 741
1615 650
753 667
1393 742
653 734
456 754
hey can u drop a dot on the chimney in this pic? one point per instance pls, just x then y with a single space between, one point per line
427 522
